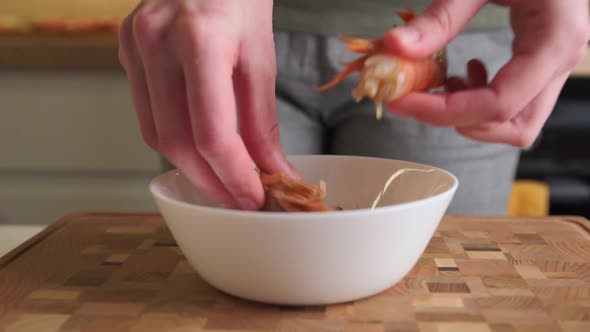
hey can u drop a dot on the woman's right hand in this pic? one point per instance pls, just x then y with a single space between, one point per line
550 39
192 66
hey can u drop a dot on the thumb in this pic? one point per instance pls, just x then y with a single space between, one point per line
433 29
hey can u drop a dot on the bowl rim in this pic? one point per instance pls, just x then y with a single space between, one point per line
156 192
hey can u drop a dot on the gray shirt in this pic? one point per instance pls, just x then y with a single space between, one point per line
364 18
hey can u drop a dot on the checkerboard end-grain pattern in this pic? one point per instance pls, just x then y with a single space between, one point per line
124 272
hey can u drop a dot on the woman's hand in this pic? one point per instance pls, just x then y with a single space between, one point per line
192 66
551 38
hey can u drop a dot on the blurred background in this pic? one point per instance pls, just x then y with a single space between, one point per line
69 139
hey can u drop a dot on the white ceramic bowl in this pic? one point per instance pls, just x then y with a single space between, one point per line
312 258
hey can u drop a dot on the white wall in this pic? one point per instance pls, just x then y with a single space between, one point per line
70 142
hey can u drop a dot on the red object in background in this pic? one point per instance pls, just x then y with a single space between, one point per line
93 25
50 25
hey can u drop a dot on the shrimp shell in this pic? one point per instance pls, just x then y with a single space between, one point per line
285 194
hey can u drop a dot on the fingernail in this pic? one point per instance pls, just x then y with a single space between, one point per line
247 204
407 34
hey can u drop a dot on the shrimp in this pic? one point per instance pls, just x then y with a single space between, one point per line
385 77
292 195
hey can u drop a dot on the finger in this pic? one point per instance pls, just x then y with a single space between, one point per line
476 78
199 173
454 84
169 103
433 29
515 85
132 63
437 109
163 75
477 74
208 57
255 86
526 126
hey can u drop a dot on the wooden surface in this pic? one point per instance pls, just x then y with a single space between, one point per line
124 272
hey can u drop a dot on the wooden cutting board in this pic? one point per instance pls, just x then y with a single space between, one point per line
124 272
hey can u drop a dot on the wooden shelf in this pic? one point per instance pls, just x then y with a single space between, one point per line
93 51
46 51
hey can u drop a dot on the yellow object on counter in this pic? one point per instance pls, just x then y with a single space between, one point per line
529 198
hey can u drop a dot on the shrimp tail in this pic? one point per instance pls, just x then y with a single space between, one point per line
407 15
386 77
351 67
360 45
